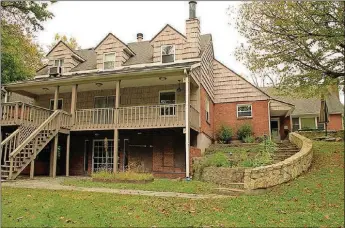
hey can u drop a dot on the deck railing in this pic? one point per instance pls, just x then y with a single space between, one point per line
148 116
171 115
19 112
97 118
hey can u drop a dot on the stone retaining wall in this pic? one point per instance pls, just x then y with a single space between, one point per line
223 175
290 168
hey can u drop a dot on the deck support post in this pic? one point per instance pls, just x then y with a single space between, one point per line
74 102
32 169
187 125
53 156
56 98
68 143
116 130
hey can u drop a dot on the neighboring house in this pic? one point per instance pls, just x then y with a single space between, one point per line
306 112
154 104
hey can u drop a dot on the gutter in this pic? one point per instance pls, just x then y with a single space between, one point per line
105 76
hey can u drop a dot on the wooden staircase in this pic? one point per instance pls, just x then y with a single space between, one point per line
23 145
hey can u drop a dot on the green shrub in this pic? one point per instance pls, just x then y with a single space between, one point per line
244 131
249 139
128 175
224 134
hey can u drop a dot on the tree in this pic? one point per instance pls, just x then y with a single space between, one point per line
20 56
301 43
71 42
27 14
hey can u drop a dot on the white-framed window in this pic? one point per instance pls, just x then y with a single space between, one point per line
168 53
109 61
167 98
307 123
244 110
207 109
58 62
104 101
295 124
60 104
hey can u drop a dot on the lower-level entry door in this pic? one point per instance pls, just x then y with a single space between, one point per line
275 130
103 155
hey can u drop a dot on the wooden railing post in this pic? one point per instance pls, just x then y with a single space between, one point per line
16 114
11 168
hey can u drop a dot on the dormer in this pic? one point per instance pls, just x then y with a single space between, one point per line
112 52
168 42
61 55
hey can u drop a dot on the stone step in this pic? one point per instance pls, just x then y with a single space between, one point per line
236 185
229 191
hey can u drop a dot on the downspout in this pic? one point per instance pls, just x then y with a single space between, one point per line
187 127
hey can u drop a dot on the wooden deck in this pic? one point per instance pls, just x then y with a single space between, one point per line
131 117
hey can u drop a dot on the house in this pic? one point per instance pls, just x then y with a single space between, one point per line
154 104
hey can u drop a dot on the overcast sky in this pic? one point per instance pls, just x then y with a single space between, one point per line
90 21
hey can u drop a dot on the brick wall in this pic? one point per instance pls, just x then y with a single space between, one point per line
285 121
335 122
226 113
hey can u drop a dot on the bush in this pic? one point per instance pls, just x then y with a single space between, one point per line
244 131
249 139
129 175
224 134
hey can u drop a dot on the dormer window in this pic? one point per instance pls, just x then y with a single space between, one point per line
58 62
168 53
109 61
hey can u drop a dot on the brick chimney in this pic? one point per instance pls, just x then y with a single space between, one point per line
192 46
140 37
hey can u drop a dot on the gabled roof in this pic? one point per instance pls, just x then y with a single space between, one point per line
110 34
304 106
166 26
73 51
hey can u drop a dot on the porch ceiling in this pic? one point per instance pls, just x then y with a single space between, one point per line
104 85
278 108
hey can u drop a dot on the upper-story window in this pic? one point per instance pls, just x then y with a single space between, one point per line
244 110
109 61
167 99
168 53
58 62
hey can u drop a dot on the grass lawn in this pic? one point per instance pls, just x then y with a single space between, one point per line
159 185
314 199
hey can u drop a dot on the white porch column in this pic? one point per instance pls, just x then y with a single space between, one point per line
269 119
53 152
74 102
56 98
187 84
116 130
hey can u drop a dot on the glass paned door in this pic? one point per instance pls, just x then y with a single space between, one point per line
103 155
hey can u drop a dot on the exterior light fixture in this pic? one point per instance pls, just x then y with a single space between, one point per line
99 84
45 88
162 78
179 86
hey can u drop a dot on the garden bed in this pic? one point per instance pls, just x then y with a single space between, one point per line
107 180
122 177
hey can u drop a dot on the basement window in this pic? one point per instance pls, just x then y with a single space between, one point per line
109 61
244 110
168 53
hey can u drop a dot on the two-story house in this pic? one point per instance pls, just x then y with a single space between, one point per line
152 103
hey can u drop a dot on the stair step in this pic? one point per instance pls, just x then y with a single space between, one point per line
236 185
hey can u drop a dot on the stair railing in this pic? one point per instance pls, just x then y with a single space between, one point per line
8 145
50 124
